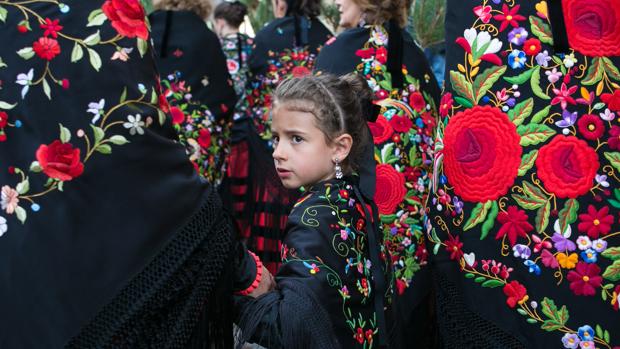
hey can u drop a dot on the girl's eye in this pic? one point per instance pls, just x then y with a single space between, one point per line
297 139
275 139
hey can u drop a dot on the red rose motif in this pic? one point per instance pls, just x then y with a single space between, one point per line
516 293
46 48
532 47
60 160
381 130
612 100
481 153
300 71
567 166
381 55
593 26
4 119
417 102
204 138
401 123
127 17
177 115
390 189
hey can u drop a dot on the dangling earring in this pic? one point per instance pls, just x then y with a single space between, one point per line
338 169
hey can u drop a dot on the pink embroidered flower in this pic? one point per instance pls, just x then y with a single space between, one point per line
51 27
484 13
595 222
563 96
585 279
549 260
614 138
9 199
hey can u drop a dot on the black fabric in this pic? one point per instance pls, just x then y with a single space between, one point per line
187 46
395 53
558 27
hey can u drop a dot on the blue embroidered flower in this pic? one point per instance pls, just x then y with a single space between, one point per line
517 59
521 251
586 333
570 341
517 36
532 267
543 59
589 256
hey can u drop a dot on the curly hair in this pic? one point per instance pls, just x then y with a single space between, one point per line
380 11
201 7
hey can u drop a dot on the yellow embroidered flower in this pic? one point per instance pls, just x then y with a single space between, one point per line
567 261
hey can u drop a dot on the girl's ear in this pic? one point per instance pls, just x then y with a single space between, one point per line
341 147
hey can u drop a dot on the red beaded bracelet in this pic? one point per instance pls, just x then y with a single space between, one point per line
259 276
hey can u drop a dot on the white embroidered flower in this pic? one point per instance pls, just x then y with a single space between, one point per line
96 109
134 124
607 115
25 80
584 243
553 76
9 199
481 43
570 61
3 226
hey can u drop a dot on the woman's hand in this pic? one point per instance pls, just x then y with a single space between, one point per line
267 283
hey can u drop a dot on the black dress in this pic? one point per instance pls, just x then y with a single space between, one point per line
400 164
108 236
195 80
526 201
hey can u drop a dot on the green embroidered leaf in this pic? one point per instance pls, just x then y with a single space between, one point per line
606 336
386 151
464 102
77 53
614 159
3 14
7 106
535 83
611 69
469 276
534 192
161 116
99 133
413 155
549 308
541 115
388 218
541 30
486 79
595 72
65 134
522 312
527 202
479 279
92 39
123 95
612 253
531 321
26 53
568 215
35 167
599 331
104 149
61 185
527 162
542 217
532 134
2 64
521 111
599 105
478 214
550 325
490 221
21 214
96 18
612 273
94 58
519 79
492 283
47 89
461 86
23 187
118 140
143 46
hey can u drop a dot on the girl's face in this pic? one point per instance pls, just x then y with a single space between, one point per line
350 13
301 154
279 8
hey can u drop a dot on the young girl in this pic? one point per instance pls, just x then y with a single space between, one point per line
332 287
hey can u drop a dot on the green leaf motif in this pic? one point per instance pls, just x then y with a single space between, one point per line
99 133
21 214
611 70
65 134
526 202
23 187
521 111
490 221
77 53
519 79
527 162
464 102
104 149
595 72
3 14
551 325
96 18
486 80
612 253
549 308
534 192
478 214
93 39
161 116
95 59
614 159
532 134
612 273
541 115
568 215
461 86
118 140
47 89
492 283
542 217
26 53
7 106
143 46
535 83
541 30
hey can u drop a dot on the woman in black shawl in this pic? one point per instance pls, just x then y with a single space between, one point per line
195 81
108 236
526 201
286 46
376 47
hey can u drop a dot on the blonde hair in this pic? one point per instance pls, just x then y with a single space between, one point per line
380 11
200 7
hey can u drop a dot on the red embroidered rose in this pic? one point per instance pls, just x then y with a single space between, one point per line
381 55
532 47
585 279
612 100
596 222
591 127
204 138
4 119
127 17
516 293
446 104
593 26
60 160
401 123
417 102
46 48
381 130
514 224
567 166
300 71
177 115
481 153
453 246
390 189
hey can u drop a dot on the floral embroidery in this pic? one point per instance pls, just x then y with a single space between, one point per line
522 165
